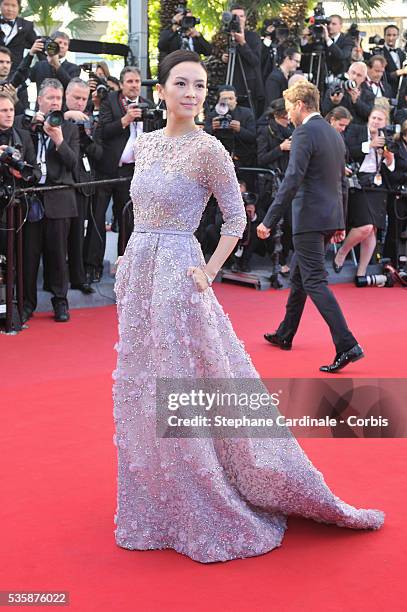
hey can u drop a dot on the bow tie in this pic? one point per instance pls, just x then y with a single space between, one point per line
130 101
7 22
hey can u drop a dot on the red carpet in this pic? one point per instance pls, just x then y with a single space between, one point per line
59 474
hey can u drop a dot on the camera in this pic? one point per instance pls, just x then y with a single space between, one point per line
188 21
249 198
102 87
223 116
53 118
147 112
11 157
51 47
389 132
377 43
230 23
316 22
342 84
355 33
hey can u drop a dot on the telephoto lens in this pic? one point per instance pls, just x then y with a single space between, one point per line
55 118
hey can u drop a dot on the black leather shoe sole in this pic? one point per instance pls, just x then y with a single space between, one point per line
275 340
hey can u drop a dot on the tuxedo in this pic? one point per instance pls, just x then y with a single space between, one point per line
49 236
274 86
114 139
315 186
338 55
384 87
21 36
360 110
391 76
170 41
43 70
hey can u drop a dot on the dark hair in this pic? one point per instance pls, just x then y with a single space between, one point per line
235 7
392 25
338 113
127 69
173 59
5 50
18 2
376 58
226 88
290 52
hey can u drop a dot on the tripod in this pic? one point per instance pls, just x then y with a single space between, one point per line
230 72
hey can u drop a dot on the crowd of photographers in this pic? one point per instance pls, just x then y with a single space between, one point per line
84 130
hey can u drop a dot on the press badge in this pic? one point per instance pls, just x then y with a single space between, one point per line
377 180
86 163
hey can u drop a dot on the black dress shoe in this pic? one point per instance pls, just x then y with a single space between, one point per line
335 266
277 340
84 287
27 314
61 311
342 359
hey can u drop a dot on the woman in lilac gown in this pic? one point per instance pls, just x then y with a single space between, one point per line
210 499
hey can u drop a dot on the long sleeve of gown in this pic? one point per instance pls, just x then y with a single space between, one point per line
224 185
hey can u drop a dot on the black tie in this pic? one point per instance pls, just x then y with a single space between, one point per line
7 22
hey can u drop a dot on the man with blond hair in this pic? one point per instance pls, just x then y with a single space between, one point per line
315 185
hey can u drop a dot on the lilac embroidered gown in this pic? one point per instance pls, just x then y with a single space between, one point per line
211 499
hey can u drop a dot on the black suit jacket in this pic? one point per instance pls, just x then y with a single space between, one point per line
61 165
360 110
338 55
245 140
275 84
171 41
111 133
43 70
24 39
250 58
391 76
314 181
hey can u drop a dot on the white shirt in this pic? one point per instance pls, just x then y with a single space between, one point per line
371 162
375 87
136 128
332 40
41 156
9 32
308 117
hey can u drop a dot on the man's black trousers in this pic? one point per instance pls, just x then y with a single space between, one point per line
309 278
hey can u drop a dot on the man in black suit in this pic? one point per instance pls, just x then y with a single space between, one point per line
376 66
277 81
358 101
247 78
12 137
240 137
57 153
120 122
55 66
76 100
171 38
395 57
338 46
315 184
16 33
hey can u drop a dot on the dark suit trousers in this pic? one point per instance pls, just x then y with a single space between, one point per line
76 241
309 278
50 238
95 241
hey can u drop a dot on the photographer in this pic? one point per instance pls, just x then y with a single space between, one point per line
76 100
277 81
358 100
16 33
11 83
338 46
395 58
236 127
274 145
376 66
370 147
397 205
120 122
179 35
247 78
14 143
57 147
55 66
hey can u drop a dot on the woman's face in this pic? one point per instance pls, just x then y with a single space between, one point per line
340 125
185 90
282 119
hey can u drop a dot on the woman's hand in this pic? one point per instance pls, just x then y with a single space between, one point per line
199 278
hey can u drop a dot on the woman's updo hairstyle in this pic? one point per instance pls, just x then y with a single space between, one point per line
173 59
